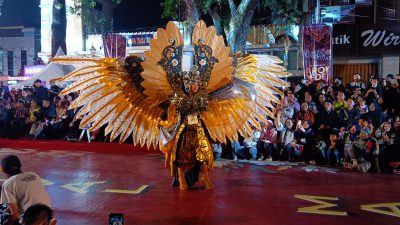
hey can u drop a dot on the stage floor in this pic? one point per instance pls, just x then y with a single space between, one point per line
85 186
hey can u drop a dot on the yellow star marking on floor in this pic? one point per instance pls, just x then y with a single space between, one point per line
394 208
82 187
318 209
131 192
46 182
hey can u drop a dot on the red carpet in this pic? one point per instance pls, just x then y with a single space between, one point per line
86 185
100 147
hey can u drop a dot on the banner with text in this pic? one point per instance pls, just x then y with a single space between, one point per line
366 39
317 48
139 40
114 46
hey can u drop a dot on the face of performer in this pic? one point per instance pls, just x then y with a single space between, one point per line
195 87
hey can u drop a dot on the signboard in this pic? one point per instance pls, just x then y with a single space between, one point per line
139 40
338 14
364 2
114 46
317 49
33 70
370 39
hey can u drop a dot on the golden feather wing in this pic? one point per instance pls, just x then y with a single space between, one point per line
222 71
247 100
107 96
156 84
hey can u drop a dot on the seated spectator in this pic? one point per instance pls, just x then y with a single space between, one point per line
251 145
386 140
59 120
22 189
375 116
38 214
267 144
304 135
217 149
364 151
286 139
305 114
318 150
334 150
243 151
3 119
18 125
44 129
363 109
33 119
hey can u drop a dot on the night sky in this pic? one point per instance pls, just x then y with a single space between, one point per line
134 14
130 15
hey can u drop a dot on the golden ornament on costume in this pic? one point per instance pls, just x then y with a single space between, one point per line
221 96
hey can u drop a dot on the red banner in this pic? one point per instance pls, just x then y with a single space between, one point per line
317 48
114 46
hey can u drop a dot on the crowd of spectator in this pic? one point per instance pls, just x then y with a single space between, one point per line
36 113
356 125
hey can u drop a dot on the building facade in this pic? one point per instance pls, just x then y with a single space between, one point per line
366 36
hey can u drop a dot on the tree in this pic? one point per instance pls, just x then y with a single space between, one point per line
58 27
96 18
96 15
231 18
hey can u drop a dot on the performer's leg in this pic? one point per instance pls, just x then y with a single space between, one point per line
182 181
204 179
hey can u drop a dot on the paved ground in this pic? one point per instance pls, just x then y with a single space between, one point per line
86 186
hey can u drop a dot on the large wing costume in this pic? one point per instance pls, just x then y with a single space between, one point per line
240 90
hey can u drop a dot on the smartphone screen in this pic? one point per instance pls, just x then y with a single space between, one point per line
116 219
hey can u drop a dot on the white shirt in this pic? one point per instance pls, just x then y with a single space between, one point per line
24 189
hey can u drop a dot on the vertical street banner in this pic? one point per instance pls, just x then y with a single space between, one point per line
114 46
317 48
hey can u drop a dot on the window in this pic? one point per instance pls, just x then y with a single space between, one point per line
10 63
24 59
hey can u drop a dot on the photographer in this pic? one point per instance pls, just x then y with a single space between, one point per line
38 214
22 189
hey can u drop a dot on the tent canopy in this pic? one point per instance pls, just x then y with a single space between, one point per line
52 71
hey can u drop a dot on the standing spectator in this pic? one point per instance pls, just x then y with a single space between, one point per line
327 120
3 119
41 93
292 102
338 86
311 104
386 140
356 84
373 91
4 90
321 102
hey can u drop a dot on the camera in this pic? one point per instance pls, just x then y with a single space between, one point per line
4 215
